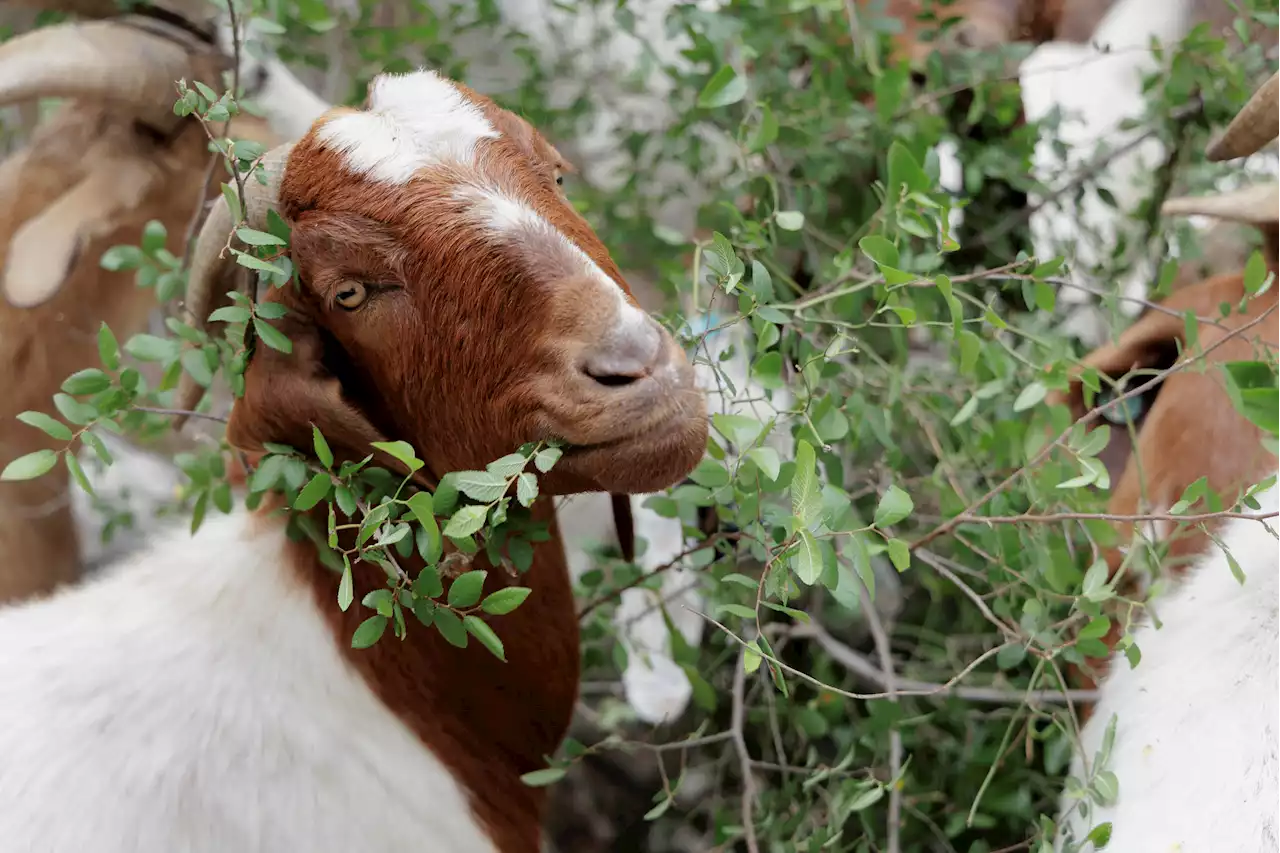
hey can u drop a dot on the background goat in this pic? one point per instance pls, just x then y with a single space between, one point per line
1197 769
112 158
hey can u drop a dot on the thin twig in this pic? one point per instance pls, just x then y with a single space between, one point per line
860 667
1106 516
881 639
183 412
737 721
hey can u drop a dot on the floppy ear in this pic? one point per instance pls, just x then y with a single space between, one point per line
285 393
1150 343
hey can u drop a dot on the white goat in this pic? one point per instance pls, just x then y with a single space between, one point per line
1097 87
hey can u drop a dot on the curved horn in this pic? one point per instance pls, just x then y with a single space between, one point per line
192 10
1255 204
98 61
1253 127
209 266
45 249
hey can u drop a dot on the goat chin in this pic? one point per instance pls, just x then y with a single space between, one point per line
1195 747
192 697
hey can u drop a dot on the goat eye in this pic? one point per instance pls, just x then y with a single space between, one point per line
559 180
1131 409
352 295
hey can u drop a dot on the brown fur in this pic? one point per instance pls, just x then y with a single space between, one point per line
42 346
465 347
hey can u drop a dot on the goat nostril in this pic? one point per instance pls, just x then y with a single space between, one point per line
613 380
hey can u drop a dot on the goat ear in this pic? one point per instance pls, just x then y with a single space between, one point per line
285 394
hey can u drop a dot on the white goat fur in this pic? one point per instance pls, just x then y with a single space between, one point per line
1097 87
202 689
1195 746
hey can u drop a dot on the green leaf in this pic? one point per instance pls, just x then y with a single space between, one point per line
894 506
108 348
122 258
806 502
429 542
450 627
233 202
480 629
807 558
428 584
1095 441
271 336
466 521
401 451
466 588
879 250
526 488
751 657
505 600
739 610
379 600
369 632
313 492
73 410
245 259
789 220
766 459
30 466
1255 272
153 236
323 453
258 238
507 466
146 347
98 447
50 426
546 458
346 593
231 314
194 362
724 88
481 485
899 554
542 778
1094 585
268 473
1030 396
73 465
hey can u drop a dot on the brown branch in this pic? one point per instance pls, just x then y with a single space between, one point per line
737 722
667 566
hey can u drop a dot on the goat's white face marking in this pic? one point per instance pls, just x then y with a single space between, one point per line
413 120
504 218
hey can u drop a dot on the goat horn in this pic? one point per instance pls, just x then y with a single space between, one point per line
1255 204
1253 127
193 10
209 267
44 250
94 60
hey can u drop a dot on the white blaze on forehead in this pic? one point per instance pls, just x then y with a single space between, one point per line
506 218
414 120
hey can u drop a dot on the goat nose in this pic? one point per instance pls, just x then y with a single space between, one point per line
629 352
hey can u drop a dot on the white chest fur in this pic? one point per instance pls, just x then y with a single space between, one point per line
194 699
1195 750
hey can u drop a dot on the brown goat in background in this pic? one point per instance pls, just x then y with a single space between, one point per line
90 177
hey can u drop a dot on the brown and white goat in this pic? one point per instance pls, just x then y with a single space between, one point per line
202 695
112 158
1195 741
